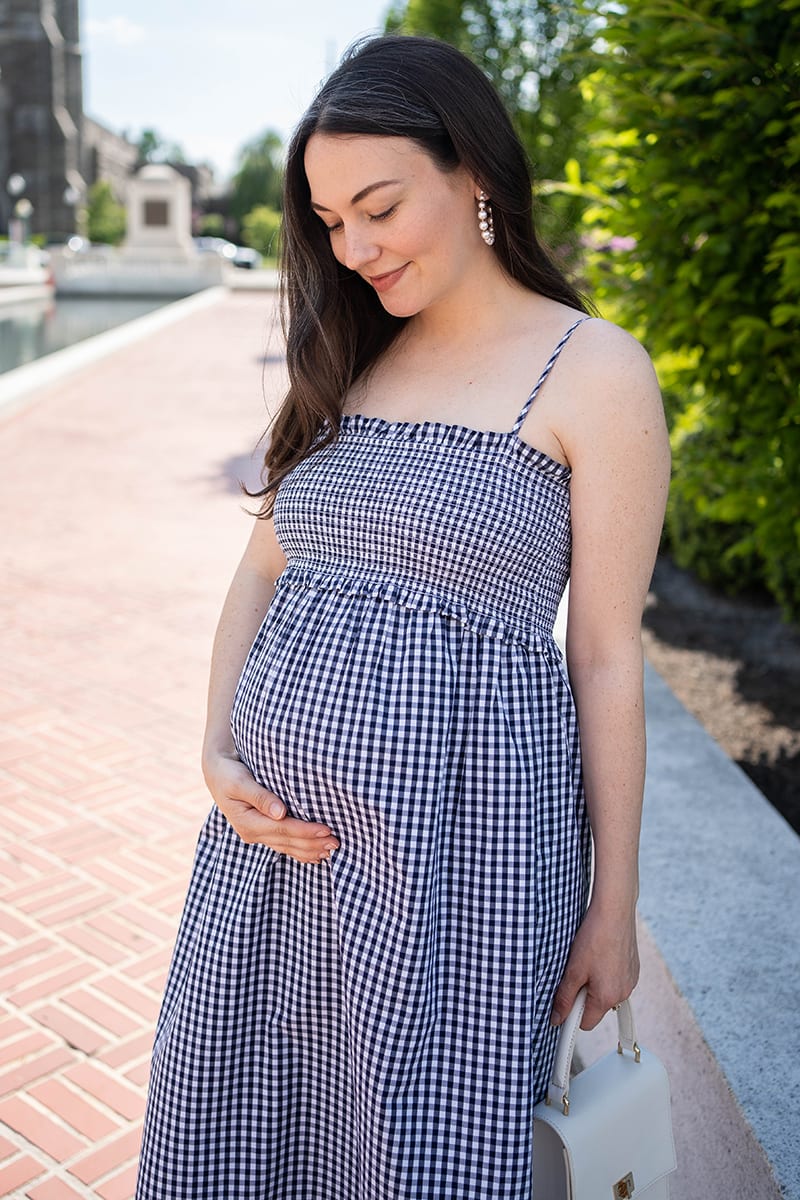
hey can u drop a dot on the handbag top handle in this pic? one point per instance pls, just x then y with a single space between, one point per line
558 1088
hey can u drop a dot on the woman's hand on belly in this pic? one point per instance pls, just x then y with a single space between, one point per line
258 815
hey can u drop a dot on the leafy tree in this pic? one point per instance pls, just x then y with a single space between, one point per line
535 53
695 155
105 218
259 175
261 230
211 225
432 18
153 148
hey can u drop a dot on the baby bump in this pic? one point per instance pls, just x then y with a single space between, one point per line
353 703
343 701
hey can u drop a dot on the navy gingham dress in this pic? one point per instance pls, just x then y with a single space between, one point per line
376 1027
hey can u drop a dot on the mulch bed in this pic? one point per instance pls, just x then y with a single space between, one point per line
735 665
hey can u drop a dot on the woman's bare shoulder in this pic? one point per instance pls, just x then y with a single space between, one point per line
608 348
607 372
607 392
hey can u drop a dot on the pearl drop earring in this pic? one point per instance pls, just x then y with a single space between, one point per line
485 219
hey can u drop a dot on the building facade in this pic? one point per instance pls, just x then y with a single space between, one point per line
41 110
45 138
107 155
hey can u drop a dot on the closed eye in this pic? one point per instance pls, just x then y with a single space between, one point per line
383 216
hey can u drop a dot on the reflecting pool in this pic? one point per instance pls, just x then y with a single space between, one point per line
30 329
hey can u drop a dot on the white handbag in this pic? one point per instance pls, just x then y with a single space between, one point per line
606 1134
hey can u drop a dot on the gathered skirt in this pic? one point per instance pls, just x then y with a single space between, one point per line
376 1027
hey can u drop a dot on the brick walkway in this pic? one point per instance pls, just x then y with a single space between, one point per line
121 527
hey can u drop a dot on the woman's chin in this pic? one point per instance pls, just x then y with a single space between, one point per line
397 307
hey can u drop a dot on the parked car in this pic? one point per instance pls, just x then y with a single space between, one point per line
239 256
247 258
215 245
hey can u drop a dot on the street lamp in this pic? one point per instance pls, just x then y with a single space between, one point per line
15 186
72 197
23 209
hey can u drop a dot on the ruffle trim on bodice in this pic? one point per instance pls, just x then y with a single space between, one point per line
457 435
536 636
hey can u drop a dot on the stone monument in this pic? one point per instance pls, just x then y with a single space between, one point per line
159 210
158 256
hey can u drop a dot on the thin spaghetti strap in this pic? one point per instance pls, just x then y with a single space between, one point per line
551 362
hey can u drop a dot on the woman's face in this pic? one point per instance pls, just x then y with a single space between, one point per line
405 226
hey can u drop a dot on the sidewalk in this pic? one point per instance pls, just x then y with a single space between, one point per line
122 525
121 529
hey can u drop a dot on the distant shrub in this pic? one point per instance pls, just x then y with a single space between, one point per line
106 220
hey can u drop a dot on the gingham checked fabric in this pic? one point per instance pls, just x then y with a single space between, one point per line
377 1027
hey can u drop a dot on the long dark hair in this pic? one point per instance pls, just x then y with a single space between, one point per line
335 328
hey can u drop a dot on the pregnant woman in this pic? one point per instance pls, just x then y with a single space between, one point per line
389 913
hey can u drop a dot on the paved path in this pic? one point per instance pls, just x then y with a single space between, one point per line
121 526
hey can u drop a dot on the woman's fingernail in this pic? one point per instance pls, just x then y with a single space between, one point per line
276 809
555 1018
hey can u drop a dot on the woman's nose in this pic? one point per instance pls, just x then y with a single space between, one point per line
359 249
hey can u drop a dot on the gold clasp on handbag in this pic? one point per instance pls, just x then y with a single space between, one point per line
623 1188
637 1052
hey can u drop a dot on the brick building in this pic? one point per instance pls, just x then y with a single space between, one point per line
107 155
41 108
44 135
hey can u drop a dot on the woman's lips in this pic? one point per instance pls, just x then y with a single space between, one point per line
382 283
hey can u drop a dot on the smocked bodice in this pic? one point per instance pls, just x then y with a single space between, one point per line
475 524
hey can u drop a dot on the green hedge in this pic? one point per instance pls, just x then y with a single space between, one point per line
695 155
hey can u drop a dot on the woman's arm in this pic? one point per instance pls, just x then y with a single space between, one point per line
616 441
256 814
245 607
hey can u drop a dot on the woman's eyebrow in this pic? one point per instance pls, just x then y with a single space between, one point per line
371 187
